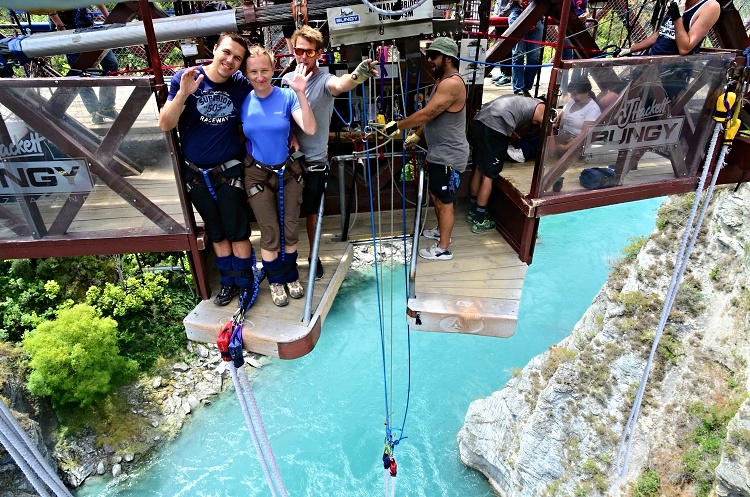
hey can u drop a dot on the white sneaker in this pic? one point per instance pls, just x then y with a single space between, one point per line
516 154
433 234
436 253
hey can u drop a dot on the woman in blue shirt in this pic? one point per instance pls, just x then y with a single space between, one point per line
266 121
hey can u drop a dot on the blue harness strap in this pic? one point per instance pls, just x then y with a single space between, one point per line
207 180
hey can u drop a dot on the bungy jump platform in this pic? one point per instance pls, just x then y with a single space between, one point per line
477 292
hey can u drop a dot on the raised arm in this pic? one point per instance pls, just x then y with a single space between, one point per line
348 82
170 113
304 115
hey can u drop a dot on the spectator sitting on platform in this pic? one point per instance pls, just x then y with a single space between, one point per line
203 103
680 38
103 107
321 90
267 115
577 112
610 88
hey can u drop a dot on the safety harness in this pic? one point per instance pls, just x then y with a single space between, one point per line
294 159
216 171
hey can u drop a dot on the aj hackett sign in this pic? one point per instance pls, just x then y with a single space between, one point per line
636 125
25 171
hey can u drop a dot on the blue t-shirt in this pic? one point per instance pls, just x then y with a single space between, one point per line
209 125
266 123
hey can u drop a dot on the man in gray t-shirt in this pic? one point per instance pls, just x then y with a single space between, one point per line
491 131
321 89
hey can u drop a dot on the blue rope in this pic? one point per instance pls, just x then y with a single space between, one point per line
351 115
280 175
377 288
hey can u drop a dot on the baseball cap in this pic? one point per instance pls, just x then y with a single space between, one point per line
445 46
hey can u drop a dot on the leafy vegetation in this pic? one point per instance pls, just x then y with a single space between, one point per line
647 484
707 439
75 358
148 307
634 246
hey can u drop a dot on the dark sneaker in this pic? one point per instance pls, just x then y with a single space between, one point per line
96 118
435 253
226 294
318 269
558 184
502 81
110 114
471 217
483 227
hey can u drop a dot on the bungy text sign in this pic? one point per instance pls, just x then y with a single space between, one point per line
637 125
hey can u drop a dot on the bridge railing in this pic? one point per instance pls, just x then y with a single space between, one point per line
72 173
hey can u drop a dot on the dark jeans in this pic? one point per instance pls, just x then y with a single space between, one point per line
106 100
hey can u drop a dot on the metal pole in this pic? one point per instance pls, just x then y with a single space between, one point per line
314 261
417 223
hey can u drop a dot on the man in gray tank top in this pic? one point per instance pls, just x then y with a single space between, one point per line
321 89
442 123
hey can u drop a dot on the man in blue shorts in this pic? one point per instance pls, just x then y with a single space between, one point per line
203 103
322 88
442 122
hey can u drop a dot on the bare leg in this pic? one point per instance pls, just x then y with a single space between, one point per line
476 180
310 221
241 249
445 219
268 255
483 196
223 248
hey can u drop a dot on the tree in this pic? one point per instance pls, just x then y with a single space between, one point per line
75 358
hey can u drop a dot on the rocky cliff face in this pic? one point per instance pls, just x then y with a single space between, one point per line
555 428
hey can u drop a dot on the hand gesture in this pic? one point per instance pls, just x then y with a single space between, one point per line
189 82
299 80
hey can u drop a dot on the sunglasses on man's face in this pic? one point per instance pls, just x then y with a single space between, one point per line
310 52
431 54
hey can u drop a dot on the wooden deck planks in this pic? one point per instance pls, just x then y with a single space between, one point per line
476 292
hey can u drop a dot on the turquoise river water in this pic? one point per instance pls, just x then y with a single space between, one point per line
324 413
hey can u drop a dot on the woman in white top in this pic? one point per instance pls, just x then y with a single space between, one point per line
580 110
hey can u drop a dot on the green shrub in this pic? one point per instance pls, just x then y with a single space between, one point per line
634 246
149 312
647 485
75 359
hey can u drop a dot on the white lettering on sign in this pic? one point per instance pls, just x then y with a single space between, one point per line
29 147
397 5
631 110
